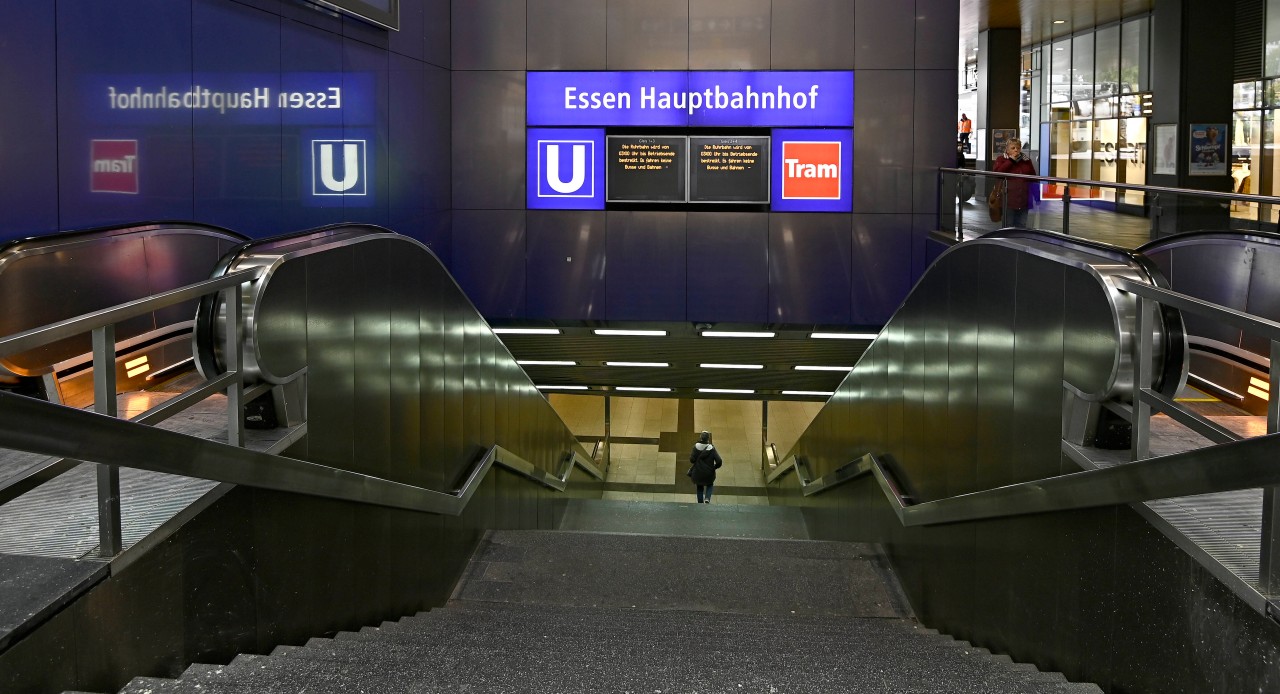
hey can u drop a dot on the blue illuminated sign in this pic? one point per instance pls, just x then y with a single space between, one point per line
565 169
690 99
340 166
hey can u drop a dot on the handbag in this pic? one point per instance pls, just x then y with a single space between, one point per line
995 202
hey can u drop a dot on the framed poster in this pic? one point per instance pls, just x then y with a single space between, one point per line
1207 154
999 138
1166 150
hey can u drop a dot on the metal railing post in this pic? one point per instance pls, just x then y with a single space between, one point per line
232 356
104 402
1140 427
1269 556
764 434
1066 210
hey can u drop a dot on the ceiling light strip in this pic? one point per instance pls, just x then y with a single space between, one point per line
526 331
646 364
823 368
643 389
735 333
733 391
824 393
732 366
843 336
561 387
544 362
632 333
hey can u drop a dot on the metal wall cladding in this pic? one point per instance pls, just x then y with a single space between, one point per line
962 392
937 35
646 249
882 260
488 34
729 34
565 35
883 163
488 140
728 267
489 259
810 268
28 174
933 143
880 31
817 34
565 265
647 34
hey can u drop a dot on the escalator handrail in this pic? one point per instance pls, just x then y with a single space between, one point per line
36 426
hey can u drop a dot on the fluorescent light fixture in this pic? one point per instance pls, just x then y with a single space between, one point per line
640 333
1253 381
808 392
561 387
823 368
843 336
545 362
643 389
1059 21
732 366
650 364
735 391
134 363
1259 394
735 333
526 331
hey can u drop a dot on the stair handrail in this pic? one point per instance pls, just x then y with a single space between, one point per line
37 426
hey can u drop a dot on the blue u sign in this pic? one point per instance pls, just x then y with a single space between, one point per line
339 167
565 169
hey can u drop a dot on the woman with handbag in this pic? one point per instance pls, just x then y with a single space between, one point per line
704 460
1016 191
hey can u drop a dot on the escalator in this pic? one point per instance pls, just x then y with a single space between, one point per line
955 446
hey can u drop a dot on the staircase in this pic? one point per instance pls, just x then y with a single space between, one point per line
571 611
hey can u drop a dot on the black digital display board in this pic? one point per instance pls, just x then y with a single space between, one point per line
729 169
646 169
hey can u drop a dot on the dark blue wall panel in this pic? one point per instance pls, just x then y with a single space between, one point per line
646 270
28 132
882 247
728 267
105 45
238 165
565 255
303 50
367 67
488 260
809 268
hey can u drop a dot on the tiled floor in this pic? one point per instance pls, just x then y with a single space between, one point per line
650 474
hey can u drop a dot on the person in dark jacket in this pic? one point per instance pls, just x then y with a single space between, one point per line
704 460
1018 192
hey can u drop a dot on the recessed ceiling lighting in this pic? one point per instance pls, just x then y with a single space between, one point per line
646 389
544 362
654 364
843 336
735 391
732 366
652 333
1059 21
807 392
823 368
526 331
561 387
735 333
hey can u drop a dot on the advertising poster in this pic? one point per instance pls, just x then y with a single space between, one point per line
999 138
1208 153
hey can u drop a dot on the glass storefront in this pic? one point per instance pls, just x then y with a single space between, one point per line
1089 95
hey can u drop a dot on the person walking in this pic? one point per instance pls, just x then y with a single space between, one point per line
704 460
1017 190
965 128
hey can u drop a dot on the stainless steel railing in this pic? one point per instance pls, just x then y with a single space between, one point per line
1124 213
101 325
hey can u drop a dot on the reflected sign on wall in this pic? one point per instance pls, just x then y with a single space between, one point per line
565 169
113 166
812 170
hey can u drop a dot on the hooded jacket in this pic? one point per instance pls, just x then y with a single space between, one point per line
704 459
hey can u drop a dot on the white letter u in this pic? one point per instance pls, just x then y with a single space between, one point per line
579 169
350 168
